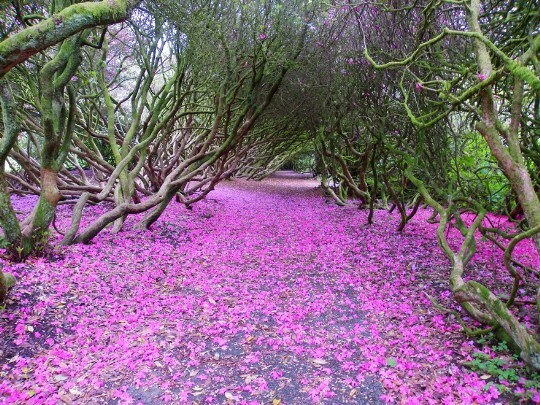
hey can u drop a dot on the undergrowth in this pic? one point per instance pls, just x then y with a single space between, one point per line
500 368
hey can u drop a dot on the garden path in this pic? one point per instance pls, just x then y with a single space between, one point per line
263 293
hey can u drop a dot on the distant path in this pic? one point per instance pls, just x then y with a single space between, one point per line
263 293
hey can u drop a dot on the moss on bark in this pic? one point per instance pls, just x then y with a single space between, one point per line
7 281
71 20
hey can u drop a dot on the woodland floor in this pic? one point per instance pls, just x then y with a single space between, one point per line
262 294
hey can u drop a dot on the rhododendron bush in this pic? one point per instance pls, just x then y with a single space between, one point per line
149 253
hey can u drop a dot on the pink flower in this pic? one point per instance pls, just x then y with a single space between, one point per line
262 37
418 87
481 76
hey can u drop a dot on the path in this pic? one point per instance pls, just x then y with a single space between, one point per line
264 293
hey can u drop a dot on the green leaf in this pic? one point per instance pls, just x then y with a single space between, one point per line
391 362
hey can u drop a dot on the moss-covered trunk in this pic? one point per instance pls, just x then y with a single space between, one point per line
38 229
6 282
17 244
152 216
67 22
475 298
503 140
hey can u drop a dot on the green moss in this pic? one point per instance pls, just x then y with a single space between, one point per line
525 74
482 291
73 19
9 280
6 282
502 335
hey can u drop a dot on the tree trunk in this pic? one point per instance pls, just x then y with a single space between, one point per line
6 282
71 20
37 228
8 219
151 217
